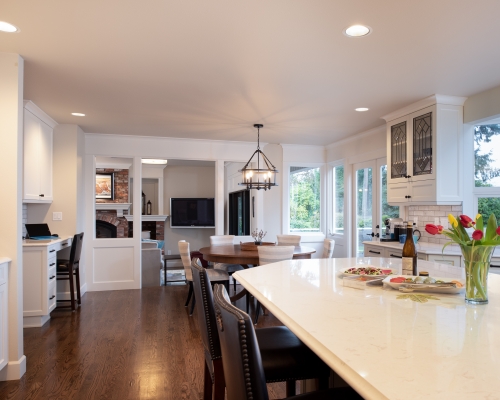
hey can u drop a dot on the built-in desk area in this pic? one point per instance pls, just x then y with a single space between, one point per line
39 278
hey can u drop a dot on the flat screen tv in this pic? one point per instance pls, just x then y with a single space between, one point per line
192 212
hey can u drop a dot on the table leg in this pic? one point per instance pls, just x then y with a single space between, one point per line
165 271
239 295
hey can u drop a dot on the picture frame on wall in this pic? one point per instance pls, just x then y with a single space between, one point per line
104 186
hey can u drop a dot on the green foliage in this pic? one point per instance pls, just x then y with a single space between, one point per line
489 205
483 170
305 200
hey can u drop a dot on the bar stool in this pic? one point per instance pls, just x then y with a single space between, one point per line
67 269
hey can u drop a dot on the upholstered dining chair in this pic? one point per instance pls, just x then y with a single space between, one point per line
271 254
229 268
284 356
328 247
66 270
288 240
215 275
243 356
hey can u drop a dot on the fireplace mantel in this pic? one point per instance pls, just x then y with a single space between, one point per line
157 218
118 207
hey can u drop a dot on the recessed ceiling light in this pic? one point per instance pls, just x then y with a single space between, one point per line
78 114
6 27
362 109
153 161
357 31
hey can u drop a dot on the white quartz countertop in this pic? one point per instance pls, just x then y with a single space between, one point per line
385 347
42 243
426 248
4 260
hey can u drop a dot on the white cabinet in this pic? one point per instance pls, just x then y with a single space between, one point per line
37 172
424 149
379 251
3 315
39 281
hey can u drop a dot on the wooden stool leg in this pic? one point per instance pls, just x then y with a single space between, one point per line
189 294
207 384
192 305
220 383
72 287
78 296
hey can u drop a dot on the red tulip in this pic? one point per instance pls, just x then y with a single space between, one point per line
498 231
466 221
477 234
433 229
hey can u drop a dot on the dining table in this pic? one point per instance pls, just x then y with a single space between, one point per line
234 254
387 344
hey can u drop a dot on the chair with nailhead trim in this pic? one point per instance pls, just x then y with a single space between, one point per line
285 357
244 365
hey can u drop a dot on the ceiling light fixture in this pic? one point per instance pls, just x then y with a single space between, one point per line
259 178
357 31
9 28
361 109
78 114
153 161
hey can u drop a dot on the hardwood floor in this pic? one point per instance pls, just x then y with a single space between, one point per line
127 344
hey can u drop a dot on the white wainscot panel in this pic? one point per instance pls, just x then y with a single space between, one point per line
113 264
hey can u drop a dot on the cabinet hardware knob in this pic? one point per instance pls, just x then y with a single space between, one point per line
50 298
52 277
393 255
51 251
41 195
374 252
409 197
52 264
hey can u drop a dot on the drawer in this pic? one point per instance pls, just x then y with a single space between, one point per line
51 293
373 251
393 253
52 274
54 248
442 259
3 273
495 263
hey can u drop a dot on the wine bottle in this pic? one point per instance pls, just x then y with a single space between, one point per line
409 252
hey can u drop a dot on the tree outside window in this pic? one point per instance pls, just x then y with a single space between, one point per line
304 199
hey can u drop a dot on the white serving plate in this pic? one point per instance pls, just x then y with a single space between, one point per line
425 288
344 273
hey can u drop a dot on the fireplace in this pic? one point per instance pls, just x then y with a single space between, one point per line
104 229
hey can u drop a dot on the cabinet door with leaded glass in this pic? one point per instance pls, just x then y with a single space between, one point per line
423 132
397 150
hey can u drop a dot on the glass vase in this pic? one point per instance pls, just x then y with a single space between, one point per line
477 265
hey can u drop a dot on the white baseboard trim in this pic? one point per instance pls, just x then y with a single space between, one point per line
67 296
14 370
35 322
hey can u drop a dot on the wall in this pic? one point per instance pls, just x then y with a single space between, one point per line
187 181
11 165
273 199
437 215
482 106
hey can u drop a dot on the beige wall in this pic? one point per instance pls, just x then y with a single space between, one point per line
482 106
187 181
273 199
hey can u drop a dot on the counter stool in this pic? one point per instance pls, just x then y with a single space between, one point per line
67 269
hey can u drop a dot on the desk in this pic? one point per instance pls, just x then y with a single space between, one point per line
382 346
39 279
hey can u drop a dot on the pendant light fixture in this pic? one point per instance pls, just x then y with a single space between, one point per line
262 177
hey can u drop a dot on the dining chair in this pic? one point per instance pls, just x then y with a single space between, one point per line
271 254
244 362
288 240
328 246
285 357
215 275
66 270
229 268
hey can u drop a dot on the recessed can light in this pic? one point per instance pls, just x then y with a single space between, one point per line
6 27
153 161
357 31
78 114
360 109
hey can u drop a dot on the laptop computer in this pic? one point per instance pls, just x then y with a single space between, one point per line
39 231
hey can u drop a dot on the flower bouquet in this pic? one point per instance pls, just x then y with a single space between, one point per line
258 236
476 250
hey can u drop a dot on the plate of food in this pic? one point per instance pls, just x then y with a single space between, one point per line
409 283
369 270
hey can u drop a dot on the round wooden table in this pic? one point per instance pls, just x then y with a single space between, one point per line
232 254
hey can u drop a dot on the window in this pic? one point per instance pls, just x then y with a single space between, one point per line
305 199
487 169
387 210
338 201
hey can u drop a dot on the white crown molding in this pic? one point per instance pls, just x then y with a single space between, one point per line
428 101
357 136
39 113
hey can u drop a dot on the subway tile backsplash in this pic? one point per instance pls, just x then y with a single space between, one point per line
423 215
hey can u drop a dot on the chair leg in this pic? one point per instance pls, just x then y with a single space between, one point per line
72 288
226 285
192 305
207 384
189 294
220 383
78 295
290 388
247 300
234 285
257 312
324 382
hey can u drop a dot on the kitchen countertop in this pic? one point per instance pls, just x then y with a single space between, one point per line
4 260
427 248
385 347
42 243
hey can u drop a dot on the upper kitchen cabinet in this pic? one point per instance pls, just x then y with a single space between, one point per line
424 149
38 132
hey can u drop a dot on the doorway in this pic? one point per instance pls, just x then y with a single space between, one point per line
239 213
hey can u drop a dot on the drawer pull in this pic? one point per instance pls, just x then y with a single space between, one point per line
52 277
52 264
374 252
41 195
51 251
64 244
494 266
394 255
50 298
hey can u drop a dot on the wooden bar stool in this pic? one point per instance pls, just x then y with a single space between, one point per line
67 269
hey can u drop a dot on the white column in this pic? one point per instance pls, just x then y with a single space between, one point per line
11 163
219 197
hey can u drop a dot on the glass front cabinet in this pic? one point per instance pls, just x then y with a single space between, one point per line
424 145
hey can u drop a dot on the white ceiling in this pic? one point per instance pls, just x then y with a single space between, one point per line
211 69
